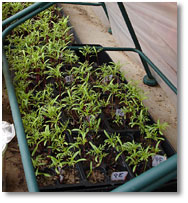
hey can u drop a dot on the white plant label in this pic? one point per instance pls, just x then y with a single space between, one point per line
157 159
108 78
115 176
119 112
69 79
61 178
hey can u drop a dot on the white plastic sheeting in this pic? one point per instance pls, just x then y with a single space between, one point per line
8 133
155 24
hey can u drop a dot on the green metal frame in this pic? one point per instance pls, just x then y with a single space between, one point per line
151 179
148 79
144 58
147 181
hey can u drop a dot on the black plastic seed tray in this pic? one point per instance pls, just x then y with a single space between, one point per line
107 185
84 184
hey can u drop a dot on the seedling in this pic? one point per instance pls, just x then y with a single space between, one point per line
82 133
112 139
86 51
98 153
55 73
96 51
154 131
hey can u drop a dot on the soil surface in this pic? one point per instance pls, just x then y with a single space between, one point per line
90 30
14 173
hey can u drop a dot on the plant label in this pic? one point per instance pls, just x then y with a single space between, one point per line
108 78
119 112
115 176
61 178
157 159
69 79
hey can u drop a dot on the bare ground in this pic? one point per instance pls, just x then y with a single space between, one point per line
14 173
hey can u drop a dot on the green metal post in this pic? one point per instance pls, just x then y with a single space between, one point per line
82 3
105 9
148 79
143 56
24 151
106 12
170 176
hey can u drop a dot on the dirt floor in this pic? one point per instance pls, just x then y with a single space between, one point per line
14 173
158 103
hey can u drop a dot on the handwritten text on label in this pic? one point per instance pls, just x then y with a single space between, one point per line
69 79
119 175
